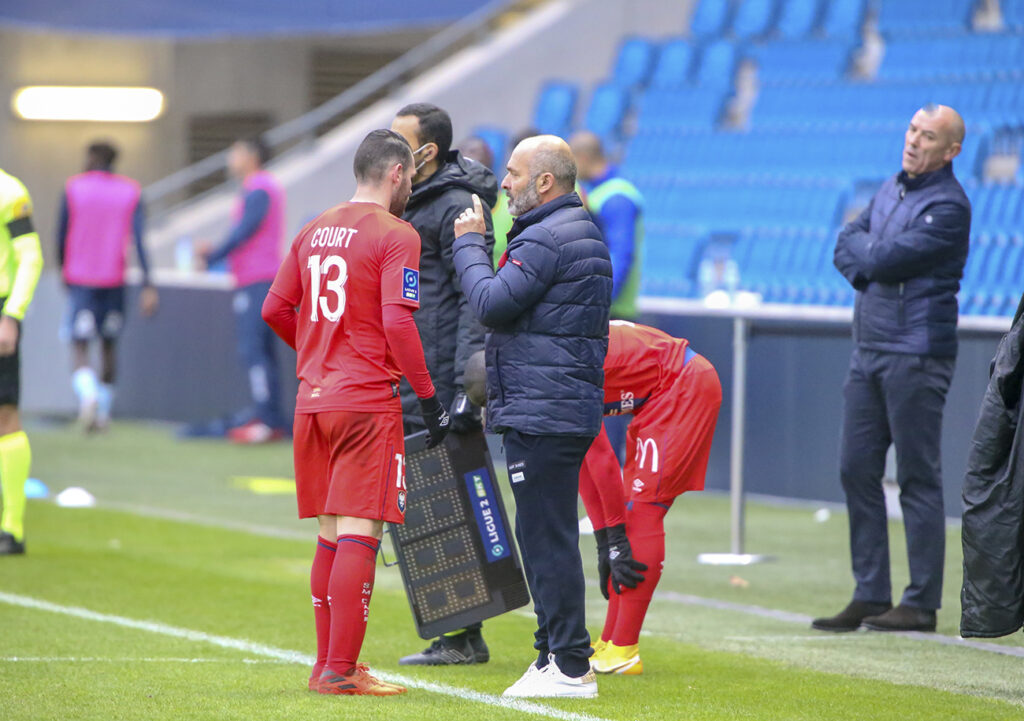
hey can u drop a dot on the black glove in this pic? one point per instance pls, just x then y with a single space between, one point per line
464 415
618 565
436 419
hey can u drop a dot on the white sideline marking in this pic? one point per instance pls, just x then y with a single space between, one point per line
800 618
672 596
166 514
284 655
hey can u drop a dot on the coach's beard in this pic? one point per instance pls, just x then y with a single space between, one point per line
525 201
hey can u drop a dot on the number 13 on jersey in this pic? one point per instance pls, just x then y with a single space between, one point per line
321 268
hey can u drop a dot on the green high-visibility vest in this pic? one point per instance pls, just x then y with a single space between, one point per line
623 305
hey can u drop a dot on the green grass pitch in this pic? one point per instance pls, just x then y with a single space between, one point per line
184 595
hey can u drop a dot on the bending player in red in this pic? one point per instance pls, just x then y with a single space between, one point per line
343 298
674 395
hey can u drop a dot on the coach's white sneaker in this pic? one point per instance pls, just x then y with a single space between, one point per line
550 682
523 682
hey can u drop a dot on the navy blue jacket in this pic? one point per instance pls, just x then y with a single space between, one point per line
546 311
905 256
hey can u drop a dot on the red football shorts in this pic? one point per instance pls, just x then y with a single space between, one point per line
350 464
669 440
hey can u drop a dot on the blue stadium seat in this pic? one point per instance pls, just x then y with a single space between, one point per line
555 108
675 110
718 65
671 255
915 17
673 66
634 63
797 18
753 18
800 61
844 18
607 109
710 18
1013 14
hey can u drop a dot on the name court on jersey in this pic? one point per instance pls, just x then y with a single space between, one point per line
332 236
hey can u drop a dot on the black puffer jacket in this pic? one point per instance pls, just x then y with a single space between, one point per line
448 327
992 597
905 256
547 314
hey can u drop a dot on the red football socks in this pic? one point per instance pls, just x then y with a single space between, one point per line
645 527
319 576
611 616
349 590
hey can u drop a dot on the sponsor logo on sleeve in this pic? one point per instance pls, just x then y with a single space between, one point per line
411 284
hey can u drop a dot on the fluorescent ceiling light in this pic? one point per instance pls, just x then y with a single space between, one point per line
111 105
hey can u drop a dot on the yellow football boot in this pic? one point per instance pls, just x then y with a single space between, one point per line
624 660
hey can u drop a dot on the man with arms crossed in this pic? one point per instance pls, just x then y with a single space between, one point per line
904 255
343 299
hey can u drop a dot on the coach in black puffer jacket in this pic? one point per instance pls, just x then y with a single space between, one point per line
547 311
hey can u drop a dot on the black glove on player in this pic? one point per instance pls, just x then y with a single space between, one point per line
615 560
436 419
464 415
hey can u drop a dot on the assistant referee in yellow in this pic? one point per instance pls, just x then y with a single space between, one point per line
21 262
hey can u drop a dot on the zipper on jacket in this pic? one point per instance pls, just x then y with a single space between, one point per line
902 307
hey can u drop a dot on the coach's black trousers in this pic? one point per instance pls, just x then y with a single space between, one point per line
895 398
544 472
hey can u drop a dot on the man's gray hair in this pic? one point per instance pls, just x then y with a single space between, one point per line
562 167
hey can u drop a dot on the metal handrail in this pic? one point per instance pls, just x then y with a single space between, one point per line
305 125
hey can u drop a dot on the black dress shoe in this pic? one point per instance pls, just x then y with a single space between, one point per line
902 618
850 618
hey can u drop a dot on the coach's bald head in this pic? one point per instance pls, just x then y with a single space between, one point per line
540 169
933 139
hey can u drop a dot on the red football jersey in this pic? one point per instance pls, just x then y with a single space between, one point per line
341 270
639 357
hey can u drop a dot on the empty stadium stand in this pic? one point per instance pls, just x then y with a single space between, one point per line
818 137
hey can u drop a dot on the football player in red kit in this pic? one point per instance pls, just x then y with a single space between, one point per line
343 299
674 395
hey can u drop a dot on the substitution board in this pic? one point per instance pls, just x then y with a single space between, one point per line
456 549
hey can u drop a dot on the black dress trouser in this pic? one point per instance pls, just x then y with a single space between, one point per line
895 398
544 473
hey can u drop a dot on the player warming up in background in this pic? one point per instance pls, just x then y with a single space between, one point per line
343 299
101 214
674 395
21 262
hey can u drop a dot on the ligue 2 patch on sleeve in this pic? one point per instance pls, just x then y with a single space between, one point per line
411 284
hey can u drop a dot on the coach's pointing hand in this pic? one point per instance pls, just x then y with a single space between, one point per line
471 220
436 419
